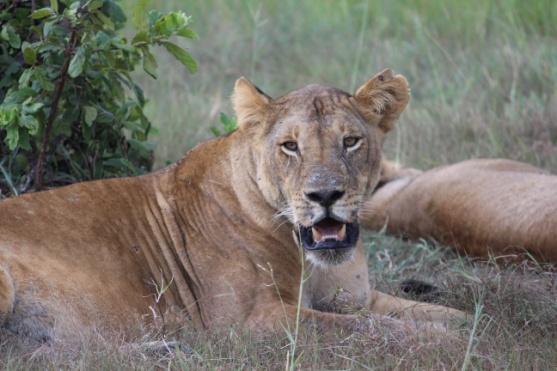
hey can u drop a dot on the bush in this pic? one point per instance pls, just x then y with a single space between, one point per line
70 109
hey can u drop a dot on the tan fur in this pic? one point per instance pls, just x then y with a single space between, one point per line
481 207
211 236
7 294
391 171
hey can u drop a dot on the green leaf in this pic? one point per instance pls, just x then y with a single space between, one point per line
20 162
43 80
30 123
183 56
70 13
17 96
141 38
25 77
102 39
187 32
108 24
54 5
29 54
48 27
113 10
42 13
8 114
23 141
228 123
94 5
171 23
153 16
33 107
149 63
104 116
144 147
90 114
8 33
76 64
12 137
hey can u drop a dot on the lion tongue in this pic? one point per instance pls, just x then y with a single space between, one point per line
329 230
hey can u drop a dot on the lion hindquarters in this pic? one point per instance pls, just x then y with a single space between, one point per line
7 294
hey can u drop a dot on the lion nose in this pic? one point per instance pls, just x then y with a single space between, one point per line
325 197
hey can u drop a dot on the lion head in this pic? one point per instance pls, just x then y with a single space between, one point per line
316 155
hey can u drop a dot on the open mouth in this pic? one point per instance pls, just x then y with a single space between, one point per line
329 234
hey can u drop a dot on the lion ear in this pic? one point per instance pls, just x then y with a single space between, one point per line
249 102
382 99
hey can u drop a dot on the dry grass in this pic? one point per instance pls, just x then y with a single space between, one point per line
483 74
517 327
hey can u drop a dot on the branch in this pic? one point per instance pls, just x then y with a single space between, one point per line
69 51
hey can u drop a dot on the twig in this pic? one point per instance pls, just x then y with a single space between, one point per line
8 180
39 170
25 187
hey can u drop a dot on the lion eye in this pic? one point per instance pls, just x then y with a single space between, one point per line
290 146
350 142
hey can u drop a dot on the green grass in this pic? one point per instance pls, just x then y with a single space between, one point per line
481 72
482 75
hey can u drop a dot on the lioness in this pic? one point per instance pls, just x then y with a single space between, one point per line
481 207
217 235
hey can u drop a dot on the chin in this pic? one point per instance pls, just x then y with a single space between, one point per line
326 258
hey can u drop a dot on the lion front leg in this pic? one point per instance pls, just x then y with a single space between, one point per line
287 317
345 288
385 304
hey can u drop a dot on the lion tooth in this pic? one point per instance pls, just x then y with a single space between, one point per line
316 235
342 233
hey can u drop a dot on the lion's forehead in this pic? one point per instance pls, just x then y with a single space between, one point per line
311 91
302 123
308 121
315 103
